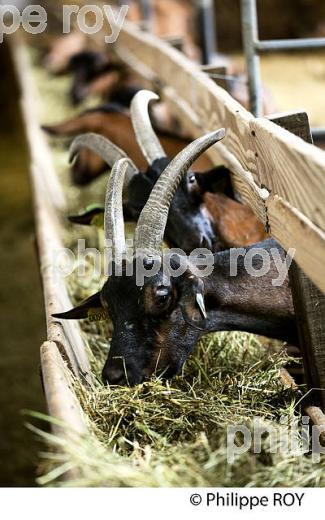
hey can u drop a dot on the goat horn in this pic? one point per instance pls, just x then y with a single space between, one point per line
151 225
146 137
108 151
113 218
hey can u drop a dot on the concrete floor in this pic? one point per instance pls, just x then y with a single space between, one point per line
22 324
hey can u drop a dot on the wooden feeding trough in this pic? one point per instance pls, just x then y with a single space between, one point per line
279 174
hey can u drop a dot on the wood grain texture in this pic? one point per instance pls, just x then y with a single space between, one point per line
63 406
61 399
309 306
49 203
218 74
267 162
309 302
290 167
287 224
41 158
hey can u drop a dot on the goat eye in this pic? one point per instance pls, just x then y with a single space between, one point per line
157 299
162 299
192 179
162 294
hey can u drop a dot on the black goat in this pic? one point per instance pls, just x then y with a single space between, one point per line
190 223
158 322
188 227
87 67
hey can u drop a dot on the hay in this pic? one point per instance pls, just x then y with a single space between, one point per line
172 433
175 433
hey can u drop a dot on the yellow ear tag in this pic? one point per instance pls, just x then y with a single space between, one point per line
97 315
98 221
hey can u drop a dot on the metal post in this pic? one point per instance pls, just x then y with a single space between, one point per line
250 37
146 11
207 30
318 134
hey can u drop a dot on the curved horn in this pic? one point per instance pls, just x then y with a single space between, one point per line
107 150
151 225
147 140
113 217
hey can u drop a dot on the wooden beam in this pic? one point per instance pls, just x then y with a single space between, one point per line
49 203
61 400
218 74
259 150
62 403
177 42
261 146
293 230
285 223
290 167
309 302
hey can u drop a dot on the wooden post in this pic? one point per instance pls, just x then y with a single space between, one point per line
175 41
218 75
309 301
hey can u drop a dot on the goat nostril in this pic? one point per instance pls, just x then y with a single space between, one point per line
114 376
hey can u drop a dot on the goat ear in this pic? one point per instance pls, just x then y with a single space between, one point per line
192 304
77 125
216 180
91 308
93 216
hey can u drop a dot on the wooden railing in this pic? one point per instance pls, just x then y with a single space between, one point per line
277 173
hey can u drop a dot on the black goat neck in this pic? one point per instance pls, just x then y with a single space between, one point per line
247 303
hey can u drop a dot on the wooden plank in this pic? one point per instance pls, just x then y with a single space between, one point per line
49 202
309 302
286 224
213 106
218 74
67 334
309 306
290 167
259 145
250 147
61 399
293 230
62 402
39 149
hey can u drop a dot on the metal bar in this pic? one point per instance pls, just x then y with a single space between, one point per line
250 37
146 11
207 29
288 45
318 133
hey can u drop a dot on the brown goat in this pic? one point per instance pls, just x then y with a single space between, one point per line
234 223
116 125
